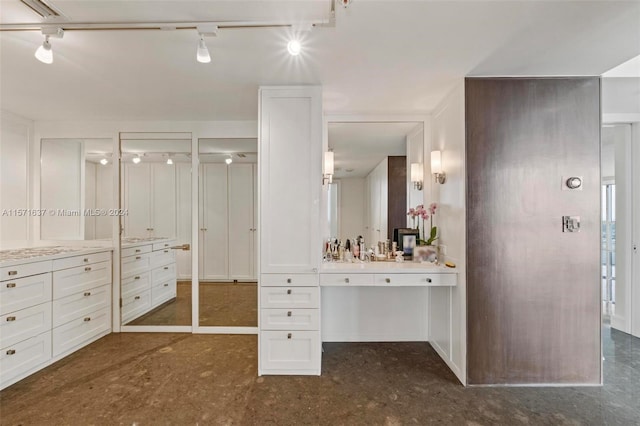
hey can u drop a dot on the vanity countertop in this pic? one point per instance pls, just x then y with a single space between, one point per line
140 241
17 256
385 268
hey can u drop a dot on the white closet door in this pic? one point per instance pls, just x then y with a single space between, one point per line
384 200
254 247
240 221
375 206
163 210
104 199
90 199
137 200
183 185
215 236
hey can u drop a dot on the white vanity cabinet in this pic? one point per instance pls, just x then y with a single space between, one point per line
49 309
290 149
148 277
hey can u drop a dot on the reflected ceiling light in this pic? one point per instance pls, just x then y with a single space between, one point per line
294 47
328 168
44 53
228 160
136 159
170 161
104 161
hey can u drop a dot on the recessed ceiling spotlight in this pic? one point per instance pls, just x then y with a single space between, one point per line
228 160
104 161
294 47
203 55
137 159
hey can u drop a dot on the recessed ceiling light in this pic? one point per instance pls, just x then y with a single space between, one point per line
136 160
104 161
228 160
294 47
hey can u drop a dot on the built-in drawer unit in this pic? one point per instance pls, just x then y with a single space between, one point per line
289 319
136 305
134 251
289 297
415 279
80 304
74 333
136 284
163 291
162 257
24 292
346 279
24 324
24 270
290 352
87 259
69 281
24 357
163 245
137 264
289 280
164 273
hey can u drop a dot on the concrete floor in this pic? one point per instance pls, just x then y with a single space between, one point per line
183 379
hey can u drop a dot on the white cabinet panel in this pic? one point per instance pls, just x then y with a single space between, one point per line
345 279
24 292
87 259
291 280
134 251
163 291
136 284
77 332
70 281
24 357
163 206
241 232
290 319
24 270
80 304
26 323
290 298
135 305
137 199
132 265
214 227
290 352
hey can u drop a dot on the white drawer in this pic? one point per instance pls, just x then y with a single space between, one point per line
289 297
136 305
24 324
304 280
163 273
80 279
136 284
80 304
287 352
163 245
74 333
87 259
18 359
137 264
289 319
163 291
162 257
415 279
133 251
24 292
24 270
345 279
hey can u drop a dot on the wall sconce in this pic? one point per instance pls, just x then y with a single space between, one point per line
327 172
436 167
417 175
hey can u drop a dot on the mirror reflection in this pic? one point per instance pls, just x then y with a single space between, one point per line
372 189
156 199
76 183
228 233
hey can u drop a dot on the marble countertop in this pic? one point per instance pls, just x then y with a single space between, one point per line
140 241
385 267
35 254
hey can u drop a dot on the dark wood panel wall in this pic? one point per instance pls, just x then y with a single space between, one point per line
533 299
397 193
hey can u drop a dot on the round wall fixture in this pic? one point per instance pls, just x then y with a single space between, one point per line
574 182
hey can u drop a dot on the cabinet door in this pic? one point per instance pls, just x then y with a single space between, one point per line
137 200
240 221
290 145
163 203
215 223
383 181
254 247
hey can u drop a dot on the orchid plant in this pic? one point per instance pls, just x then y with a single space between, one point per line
419 212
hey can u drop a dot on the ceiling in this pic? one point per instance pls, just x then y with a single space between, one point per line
359 147
381 56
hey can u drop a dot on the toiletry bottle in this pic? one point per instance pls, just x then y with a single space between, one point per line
363 249
356 250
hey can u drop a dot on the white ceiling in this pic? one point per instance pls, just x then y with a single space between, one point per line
360 147
382 56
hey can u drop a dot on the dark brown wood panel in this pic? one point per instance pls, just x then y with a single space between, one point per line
533 306
397 193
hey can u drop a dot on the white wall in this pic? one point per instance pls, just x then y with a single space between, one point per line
15 142
447 308
104 200
89 199
635 286
352 207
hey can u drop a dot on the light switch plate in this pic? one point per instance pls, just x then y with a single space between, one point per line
570 223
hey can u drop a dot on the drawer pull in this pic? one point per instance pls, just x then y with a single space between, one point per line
87 319
136 298
88 293
138 250
289 313
166 251
346 280
166 245
11 351
288 291
166 267
138 257
11 285
85 259
288 280
136 278
11 319
13 273
87 269
428 280
289 336
166 285
387 280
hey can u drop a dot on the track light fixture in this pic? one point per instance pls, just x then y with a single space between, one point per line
136 159
203 55
228 160
104 161
170 161
44 53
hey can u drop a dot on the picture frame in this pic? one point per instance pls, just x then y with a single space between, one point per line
407 239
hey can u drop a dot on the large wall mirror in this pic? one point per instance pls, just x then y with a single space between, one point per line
76 189
228 294
371 189
155 192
